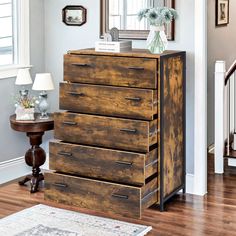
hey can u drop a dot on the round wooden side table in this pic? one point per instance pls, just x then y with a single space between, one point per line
35 156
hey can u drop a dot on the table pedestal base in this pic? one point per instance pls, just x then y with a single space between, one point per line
34 157
34 182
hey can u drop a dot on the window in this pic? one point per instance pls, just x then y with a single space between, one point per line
123 14
6 33
14 36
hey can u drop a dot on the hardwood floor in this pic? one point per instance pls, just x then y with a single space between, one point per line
214 214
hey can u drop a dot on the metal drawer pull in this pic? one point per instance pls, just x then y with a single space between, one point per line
69 123
135 68
61 185
124 163
68 154
120 196
76 94
80 64
133 99
129 130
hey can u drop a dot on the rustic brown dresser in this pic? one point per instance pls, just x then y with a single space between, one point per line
122 136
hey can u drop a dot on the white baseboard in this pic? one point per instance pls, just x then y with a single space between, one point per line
13 169
17 168
190 183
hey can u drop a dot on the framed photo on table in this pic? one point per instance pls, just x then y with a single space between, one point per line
74 15
222 12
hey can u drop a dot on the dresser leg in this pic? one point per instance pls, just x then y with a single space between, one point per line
162 207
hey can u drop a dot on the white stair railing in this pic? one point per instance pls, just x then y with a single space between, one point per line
220 70
225 113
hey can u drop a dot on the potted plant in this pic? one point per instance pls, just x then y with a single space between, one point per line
157 18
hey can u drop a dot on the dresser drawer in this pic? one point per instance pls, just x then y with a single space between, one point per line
98 195
107 70
107 100
125 134
129 167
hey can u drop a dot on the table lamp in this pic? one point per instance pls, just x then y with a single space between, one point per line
43 82
23 78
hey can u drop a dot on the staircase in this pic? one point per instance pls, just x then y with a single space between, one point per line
225 114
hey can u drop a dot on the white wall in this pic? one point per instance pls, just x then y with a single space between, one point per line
221 46
60 38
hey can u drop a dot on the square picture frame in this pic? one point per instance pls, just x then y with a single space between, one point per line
74 15
222 12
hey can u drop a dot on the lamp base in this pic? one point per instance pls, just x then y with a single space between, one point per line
43 105
44 116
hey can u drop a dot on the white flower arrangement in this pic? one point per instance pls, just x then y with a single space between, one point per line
158 16
25 102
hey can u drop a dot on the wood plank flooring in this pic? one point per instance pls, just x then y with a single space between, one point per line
214 214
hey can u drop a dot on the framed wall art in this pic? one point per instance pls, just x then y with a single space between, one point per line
74 15
222 12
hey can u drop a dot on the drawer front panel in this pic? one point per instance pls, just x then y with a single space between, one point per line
93 194
107 100
106 70
129 167
125 134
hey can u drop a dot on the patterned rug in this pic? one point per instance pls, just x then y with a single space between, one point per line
41 220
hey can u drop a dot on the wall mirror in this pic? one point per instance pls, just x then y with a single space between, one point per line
122 14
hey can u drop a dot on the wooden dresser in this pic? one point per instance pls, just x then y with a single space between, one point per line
122 135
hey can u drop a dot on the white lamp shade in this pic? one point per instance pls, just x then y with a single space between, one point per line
23 77
43 81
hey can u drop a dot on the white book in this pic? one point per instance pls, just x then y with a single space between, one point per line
120 46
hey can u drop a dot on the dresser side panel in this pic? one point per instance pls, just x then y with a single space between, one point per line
173 124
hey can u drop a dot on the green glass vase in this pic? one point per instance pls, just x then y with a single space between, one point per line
157 41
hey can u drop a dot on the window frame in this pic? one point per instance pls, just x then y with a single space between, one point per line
23 41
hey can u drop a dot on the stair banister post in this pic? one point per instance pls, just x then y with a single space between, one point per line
220 69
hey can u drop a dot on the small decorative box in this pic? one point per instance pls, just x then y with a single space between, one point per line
24 113
119 46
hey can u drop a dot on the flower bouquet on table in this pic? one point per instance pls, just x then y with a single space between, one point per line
157 18
25 108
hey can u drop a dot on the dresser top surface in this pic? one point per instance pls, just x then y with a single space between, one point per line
134 53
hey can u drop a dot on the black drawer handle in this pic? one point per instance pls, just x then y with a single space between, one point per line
133 99
69 123
68 154
129 130
120 196
76 94
81 64
61 185
125 163
135 68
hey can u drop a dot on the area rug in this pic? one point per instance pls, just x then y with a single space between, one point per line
42 220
